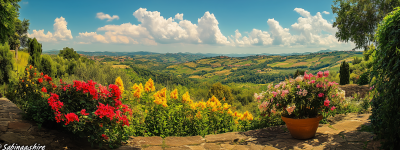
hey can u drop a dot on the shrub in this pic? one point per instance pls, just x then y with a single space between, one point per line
6 63
26 94
364 78
157 114
386 105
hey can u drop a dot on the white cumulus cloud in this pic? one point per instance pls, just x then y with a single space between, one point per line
325 12
255 37
61 32
178 16
154 28
103 16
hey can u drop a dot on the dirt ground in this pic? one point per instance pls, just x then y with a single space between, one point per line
354 88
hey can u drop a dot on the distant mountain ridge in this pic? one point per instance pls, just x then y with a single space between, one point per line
108 53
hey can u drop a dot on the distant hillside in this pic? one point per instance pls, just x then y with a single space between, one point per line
184 54
257 69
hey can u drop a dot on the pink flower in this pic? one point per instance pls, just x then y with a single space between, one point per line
306 77
326 80
333 108
284 92
311 75
275 93
312 81
319 74
333 95
321 95
298 86
326 73
326 102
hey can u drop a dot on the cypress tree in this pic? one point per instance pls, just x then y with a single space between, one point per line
344 73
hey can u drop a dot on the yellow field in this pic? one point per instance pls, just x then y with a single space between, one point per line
299 64
191 64
196 77
120 66
225 72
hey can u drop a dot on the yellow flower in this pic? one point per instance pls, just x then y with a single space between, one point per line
247 116
33 83
174 94
236 122
226 106
120 84
229 111
193 106
149 87
186 98
26 85
214 109
138 90
198 114
146 111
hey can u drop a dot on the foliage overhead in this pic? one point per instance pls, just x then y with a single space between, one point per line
357 19
9 11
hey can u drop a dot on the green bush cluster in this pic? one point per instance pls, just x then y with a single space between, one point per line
386 69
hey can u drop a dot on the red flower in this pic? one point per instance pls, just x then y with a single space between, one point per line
101 125
30 67
71 117
34 74
333 108
54 102
321 95
105 111
47 78
58 117
40 80
104 136
326 102
83 112
44 90
41 73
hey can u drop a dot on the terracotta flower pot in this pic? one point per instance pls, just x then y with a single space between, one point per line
302 128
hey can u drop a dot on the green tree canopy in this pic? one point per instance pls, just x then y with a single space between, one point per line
220 91
69 53
8 12
48 66
357 19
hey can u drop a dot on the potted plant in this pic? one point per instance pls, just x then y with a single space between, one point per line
301 102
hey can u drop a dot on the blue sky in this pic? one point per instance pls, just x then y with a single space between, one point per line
267 26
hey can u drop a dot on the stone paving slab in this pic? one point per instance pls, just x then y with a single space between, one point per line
180 141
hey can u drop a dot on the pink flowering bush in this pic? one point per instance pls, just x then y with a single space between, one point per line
300 98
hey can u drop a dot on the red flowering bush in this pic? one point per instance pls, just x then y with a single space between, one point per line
90 110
